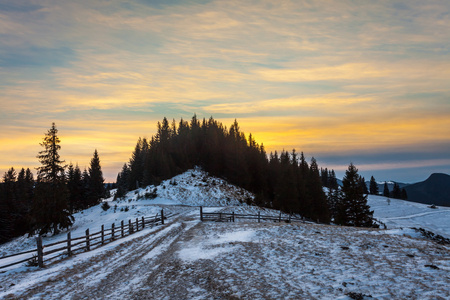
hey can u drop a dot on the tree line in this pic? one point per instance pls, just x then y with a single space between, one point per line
284 181
46 204
396 192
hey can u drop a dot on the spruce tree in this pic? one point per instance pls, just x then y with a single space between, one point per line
96 180
386 190
320 209
50 207
362 182
353 208
373 186
8 213
396 192
404 195
75 187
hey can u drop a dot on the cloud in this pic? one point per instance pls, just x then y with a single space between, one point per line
319 76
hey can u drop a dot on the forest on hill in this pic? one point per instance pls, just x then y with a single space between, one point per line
284 181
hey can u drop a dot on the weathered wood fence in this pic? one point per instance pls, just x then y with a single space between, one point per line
232 217
89 241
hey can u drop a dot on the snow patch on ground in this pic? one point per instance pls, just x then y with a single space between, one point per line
215 245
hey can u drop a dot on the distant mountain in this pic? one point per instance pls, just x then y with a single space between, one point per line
434 190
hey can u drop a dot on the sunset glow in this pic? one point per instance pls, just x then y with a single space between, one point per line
344 81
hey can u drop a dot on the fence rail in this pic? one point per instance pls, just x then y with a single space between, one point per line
83 243
232 217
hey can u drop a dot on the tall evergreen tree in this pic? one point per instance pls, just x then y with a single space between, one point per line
404 195
386 190
373 186
96 180
320 209
8 196
396 192
122 182
137 165
50 207
362 182
353 208
75 187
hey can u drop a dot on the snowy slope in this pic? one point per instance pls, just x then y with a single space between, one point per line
192 188
189 259
404 214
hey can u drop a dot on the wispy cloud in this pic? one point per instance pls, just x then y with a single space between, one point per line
369 76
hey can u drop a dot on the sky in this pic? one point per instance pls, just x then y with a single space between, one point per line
344 81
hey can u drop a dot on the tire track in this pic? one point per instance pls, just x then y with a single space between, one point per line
103 273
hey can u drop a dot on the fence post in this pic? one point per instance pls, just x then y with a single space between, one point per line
233 216
162 217
279 218
103 234
69 245
88 246
137 224
40 252
143 222
289 218
201 213
130 227
121 228
112 232
259 217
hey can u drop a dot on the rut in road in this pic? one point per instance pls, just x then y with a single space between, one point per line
106 274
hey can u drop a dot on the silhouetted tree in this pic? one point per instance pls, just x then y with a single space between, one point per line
96 180
386 190
396 192
353 209
50 207
75 188
373 186
404 195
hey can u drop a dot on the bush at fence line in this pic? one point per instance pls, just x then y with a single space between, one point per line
105 206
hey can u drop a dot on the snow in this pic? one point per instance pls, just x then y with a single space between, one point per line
190 259
214 246
405 214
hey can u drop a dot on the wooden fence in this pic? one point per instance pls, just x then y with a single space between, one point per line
71 245
232 217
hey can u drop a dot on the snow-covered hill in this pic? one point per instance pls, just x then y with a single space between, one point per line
405 214
189 259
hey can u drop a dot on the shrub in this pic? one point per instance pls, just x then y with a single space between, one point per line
105 206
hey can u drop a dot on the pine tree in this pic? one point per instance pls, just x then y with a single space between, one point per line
362 182
320 209
353 208
332 181
122 182
386 190
373 186
396 192
96 180
8 196
75 187
137 165
50 208
404 195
